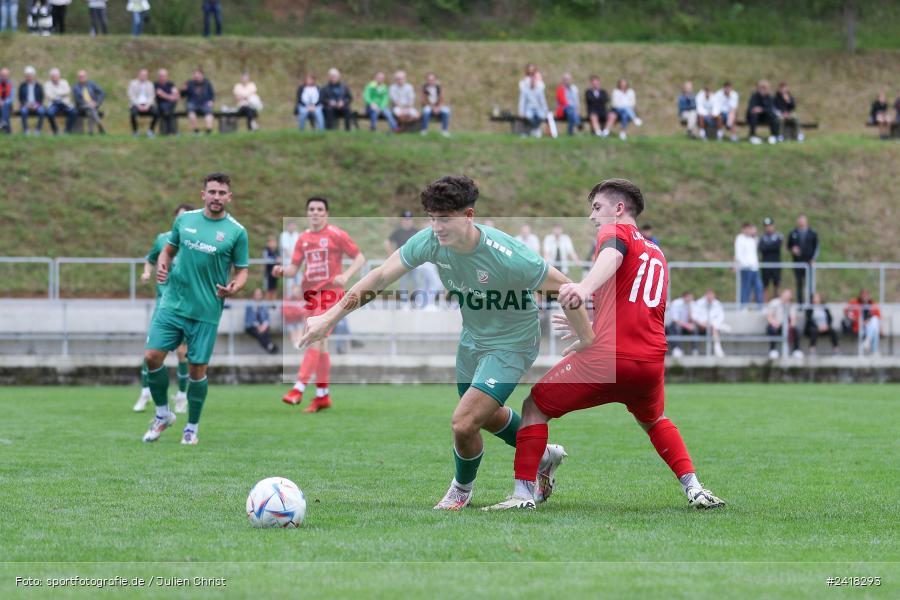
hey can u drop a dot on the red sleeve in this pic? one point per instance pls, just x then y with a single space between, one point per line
297 256
348 245
560 101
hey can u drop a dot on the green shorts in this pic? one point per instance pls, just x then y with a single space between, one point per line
168 330
494 372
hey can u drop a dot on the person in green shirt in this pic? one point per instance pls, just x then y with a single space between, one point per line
492 276
208 243
377 100
149 264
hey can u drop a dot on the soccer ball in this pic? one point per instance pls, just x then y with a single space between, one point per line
276 502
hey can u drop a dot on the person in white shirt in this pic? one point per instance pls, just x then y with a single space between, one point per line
58 95
708 314
309 103
248 102
558 249
403 98
529 239
782 311
706 111
141 96
746 259
681 323
286 242
726 105
623 103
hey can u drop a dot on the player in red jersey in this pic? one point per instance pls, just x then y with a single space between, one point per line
322 248
625 362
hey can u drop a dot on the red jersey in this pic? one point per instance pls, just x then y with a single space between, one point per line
323 252
633 302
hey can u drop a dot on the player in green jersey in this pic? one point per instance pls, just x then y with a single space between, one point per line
208 243
492 276
180 397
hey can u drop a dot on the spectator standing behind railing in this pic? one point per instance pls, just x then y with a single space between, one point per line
166 101
558 249
596 100
819 322
433 95
567 103
403 99
336 99
199 97
532 103
803 244
746 258
58 94
140 12
88 98
256 322
141 95
248 101
9 15
687 109
272 256
681 322
863 310
411 282
529 239
7 99
780 311
58 9
97 9
770 252
725 103
624 105
212 9
786 111
761 109
40 18
376 99
309 103
706 111
708 315
878 115
31 101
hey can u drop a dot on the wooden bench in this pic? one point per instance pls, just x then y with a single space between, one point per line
895 129
227 121
77 122
790 126
519 125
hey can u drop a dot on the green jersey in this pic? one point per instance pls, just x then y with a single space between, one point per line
493 285
207 249
153 256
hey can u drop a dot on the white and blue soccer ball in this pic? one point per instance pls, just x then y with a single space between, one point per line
276 502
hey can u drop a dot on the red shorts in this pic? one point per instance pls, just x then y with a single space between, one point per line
568 387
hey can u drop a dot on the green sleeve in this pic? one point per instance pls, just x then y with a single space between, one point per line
240 254
174 235
531 269
367 94
419 249
153 255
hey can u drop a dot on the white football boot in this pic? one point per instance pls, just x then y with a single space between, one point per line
181 402
553 457
142 401
455 499
701 498
189 438
512 502
157 426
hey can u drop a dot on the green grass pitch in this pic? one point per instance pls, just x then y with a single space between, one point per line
810 473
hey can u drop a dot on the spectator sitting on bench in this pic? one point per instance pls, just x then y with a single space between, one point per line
567 103
623 109
248 102
375 96
531 71
31 101
435 104
708 314
403 99
682 323
777 310
141 94
819 322
596 100
256 322
532 103
166 101
88 98
7 97
309 104
786 110
336 98
706 111
199 96
878 115
725 102
687 109
762 110
864 310
58 94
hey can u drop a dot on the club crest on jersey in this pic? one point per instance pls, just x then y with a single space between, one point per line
220 236
482 276
323 242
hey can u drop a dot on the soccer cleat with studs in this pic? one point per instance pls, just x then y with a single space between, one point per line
189 438
546 480
512 502
158 425
455 499
702 498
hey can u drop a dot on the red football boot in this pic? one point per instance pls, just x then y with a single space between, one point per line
293 397
318 404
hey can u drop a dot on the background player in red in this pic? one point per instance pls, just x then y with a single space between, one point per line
625 362
322 248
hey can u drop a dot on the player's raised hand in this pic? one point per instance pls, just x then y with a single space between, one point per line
162 273
316 329
572 295
145 277
277 271
226 291
561 325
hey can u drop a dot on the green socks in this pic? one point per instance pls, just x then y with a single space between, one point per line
466 468
182 376
196 394
158 382
145 378
509 431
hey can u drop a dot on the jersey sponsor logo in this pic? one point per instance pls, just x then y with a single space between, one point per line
323 242
190 230
220 236
482 275
443 265
491 383
317 267
200 246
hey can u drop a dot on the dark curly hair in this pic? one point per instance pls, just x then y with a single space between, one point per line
449 194
182 207
218 178
620 190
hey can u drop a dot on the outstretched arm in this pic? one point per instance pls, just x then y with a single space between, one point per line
577 317
573 294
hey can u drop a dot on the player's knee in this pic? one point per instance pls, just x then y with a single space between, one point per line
197 372
464 426
154 359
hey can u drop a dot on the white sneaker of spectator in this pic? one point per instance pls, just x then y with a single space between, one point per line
718 351
755 140
773 354
800 137
773 139
798 353
638 121
734 137
703 134
623 136
720 134
677 352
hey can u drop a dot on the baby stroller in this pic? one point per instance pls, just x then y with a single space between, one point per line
40 19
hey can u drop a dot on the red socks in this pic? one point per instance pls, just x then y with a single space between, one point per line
323 369
531 442
668 443
308 366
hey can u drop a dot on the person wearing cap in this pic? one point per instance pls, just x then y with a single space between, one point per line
770 252
410 282
31 101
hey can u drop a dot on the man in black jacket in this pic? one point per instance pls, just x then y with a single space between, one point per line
595 100
31 101
762 110
803 244
769 252
336 98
